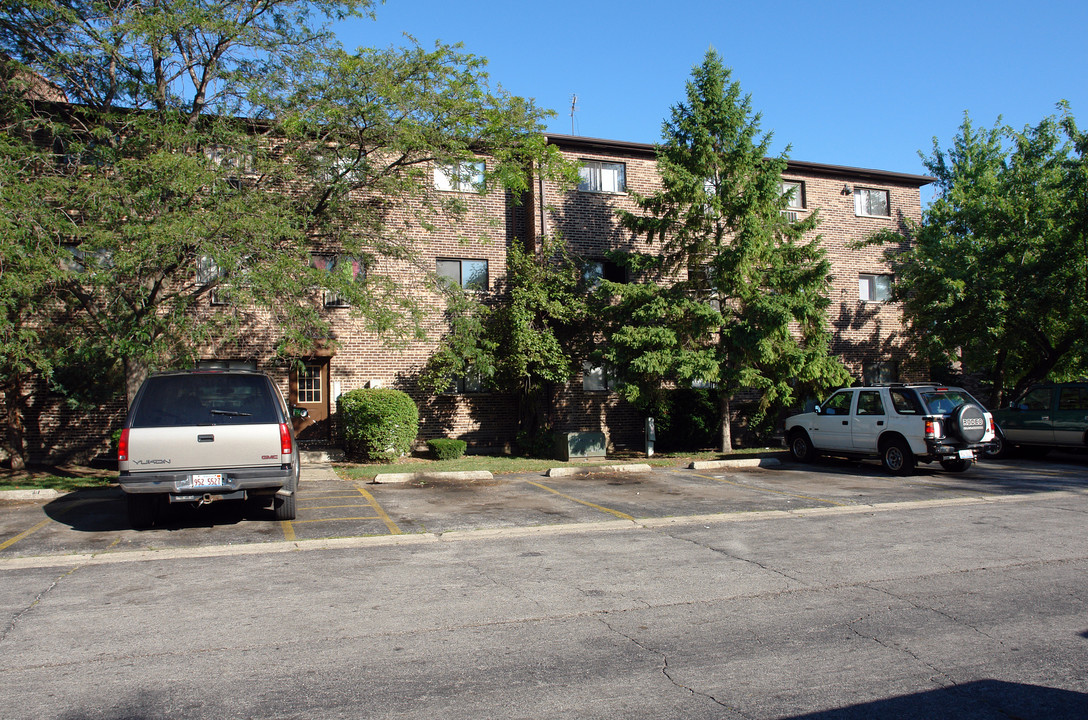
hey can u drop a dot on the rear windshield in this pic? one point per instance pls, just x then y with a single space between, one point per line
942 402
205 399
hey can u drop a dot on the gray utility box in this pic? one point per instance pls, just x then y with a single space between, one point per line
580 445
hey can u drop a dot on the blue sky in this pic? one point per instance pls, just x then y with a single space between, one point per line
864 84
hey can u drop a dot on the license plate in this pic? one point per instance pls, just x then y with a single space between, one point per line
967 454
211 480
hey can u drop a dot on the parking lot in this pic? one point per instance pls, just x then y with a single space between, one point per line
94 522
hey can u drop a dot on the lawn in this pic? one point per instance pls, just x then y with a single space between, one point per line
64 479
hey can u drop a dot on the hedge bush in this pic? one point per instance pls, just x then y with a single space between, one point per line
379 424
447 448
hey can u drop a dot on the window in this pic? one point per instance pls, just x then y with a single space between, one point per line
309 388
795 192
470 382
468 274
595 378
602 177
875 288
227 157
838 404
349 268
880 373
869 403
1073 398
871 203
597 270
81 260
1037 399
905 402
460 177
209 273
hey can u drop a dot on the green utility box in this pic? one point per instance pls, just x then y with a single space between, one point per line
580 445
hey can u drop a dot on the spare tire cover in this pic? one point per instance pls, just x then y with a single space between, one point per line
969 422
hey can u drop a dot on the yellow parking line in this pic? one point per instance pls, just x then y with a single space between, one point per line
383 516
288 527
332 507
321 520
768 490
8 543
617 513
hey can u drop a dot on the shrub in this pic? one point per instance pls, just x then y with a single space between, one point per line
379 424
447 448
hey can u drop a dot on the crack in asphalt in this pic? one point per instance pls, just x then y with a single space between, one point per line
18 616
734 556
668 676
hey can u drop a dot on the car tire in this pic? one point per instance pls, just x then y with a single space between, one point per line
284 507
956 464
999 447
897 458
801 447
142 510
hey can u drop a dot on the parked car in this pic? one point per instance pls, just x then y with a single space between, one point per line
901 424
200 436
1052 415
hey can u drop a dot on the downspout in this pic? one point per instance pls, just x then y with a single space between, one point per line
543 210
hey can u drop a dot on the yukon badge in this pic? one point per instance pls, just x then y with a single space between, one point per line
158 461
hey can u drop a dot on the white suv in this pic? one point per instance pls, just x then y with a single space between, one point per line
900 424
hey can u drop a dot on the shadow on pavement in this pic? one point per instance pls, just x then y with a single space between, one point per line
979 699
106 511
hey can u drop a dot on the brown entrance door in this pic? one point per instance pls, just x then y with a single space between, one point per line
310 390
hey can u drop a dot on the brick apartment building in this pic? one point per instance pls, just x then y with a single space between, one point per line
853 203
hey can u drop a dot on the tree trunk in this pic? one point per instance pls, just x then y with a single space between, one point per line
135 374
15 435
727 433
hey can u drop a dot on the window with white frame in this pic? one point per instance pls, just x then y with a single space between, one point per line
795 194
349 268
467 274
596 378
460 177
871 203
874 288
602 177
208 273
227 157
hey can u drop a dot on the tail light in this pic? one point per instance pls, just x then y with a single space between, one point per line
286 447
933 429
122 445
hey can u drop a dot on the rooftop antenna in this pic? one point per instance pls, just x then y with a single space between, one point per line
573 103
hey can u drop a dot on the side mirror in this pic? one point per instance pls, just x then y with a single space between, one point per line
818 410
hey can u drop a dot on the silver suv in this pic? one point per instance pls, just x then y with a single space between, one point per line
199 436
901 424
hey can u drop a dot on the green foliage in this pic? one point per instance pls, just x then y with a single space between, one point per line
447 448
379 424
127 210
524 344
719 219
686 419
996 276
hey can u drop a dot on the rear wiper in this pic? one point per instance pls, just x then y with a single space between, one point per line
232 413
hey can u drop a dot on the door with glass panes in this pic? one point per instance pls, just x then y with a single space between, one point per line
310 391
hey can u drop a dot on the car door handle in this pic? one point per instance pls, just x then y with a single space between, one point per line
205 438
879 423
845 422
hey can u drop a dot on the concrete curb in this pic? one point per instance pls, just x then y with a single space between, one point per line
390 478
41 494
738 463
567 471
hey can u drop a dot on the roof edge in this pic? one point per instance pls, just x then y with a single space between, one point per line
604 144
